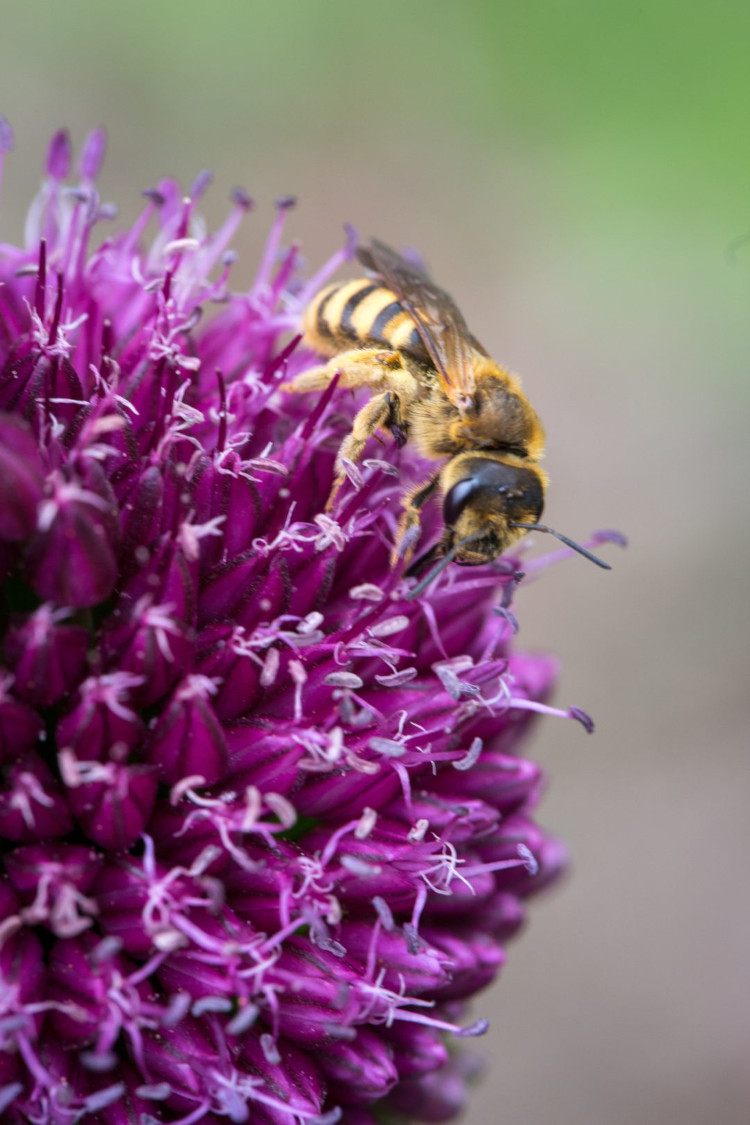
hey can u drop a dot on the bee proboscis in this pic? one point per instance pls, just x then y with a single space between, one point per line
403 338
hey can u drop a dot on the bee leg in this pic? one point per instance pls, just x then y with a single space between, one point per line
374 368
408 526
383 410
314 379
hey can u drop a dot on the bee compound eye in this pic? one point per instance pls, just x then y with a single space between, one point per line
457 499
513 491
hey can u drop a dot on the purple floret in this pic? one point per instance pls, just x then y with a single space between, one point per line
266 827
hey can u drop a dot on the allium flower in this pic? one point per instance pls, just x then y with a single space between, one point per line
265 824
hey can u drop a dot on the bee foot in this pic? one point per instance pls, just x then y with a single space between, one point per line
331 501
404 547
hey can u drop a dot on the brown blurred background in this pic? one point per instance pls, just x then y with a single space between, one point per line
576 174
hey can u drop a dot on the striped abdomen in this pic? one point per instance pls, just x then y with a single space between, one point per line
362 313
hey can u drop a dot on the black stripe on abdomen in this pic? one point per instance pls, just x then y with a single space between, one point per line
322 325
347 327
415 347
381 321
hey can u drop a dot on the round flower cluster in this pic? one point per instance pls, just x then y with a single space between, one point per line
264 823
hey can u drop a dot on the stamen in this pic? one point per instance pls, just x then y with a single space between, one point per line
41 279
58 309
222 438
6 142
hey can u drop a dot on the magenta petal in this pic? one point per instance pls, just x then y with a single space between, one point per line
66 863
475 960
23 986
150 645
122 898
235 497
101 722
259 894
504 781
20 727
21 478
547 856
80 981
8 559
32 808
6 135
503 916
59 155
72 561
130 1108
435 1097
46 657
114 807
416 1050
297 1084
315 1006
23 970
66 872
93 154
179 842
188 740
400 965
266 758
362 1070
140 513
226 658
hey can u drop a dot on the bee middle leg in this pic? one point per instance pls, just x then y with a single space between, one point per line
378 370
384 411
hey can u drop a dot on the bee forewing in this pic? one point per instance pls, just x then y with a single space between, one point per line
439 321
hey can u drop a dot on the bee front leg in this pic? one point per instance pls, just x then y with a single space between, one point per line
382 411
409 523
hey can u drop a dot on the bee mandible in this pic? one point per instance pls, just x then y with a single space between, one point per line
403 338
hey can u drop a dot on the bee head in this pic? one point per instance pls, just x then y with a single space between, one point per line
484 504
491 505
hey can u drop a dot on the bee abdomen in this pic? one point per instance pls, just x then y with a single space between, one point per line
363 313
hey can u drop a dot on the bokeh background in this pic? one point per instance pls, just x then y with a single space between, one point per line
578 175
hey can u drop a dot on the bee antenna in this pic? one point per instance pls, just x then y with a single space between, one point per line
446 560
563 539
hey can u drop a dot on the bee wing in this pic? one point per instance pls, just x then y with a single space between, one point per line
440 323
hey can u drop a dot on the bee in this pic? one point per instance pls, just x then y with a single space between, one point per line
433 384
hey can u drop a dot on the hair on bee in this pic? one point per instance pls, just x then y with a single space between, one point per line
445 560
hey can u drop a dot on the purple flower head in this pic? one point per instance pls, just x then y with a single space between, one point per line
266 827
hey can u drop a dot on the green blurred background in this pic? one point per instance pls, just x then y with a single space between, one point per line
576 174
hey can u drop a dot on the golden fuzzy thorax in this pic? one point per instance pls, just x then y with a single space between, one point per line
499 418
